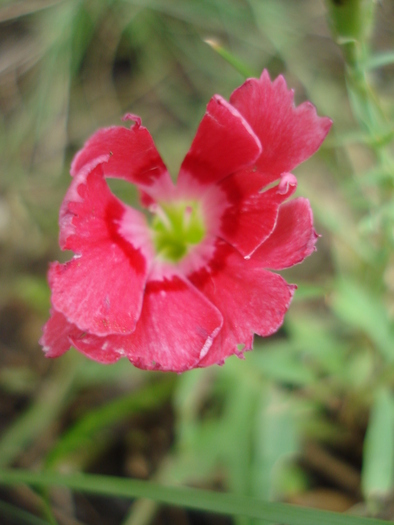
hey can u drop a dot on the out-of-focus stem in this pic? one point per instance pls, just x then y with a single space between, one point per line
351 22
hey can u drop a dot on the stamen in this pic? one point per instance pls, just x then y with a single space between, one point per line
176 228
161 214
188 216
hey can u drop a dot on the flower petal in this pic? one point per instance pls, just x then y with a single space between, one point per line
224 144
251 300
293 238
176 328
56 332
59 335
100 290
252 213
128 154
288 134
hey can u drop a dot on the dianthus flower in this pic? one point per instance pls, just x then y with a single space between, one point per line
191 284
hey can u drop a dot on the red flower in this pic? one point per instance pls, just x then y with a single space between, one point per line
191 286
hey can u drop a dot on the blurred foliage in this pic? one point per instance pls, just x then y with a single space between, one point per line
293 416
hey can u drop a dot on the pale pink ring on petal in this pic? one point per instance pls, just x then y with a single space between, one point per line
88 167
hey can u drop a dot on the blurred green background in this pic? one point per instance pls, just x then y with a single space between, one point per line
308 416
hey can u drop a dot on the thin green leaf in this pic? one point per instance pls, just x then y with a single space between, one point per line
230 58
280 363
365 311
45 408
14 10
307 291
81 435
275 440
23 517
227 504
378 460
380 60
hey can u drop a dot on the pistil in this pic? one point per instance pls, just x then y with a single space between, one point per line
176 228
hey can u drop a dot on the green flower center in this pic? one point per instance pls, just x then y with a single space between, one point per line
176 227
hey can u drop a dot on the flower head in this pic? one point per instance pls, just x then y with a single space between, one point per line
190 285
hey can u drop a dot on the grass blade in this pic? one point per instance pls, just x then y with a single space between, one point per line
23 517
228 504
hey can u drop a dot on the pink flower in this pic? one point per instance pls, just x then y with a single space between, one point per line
191 284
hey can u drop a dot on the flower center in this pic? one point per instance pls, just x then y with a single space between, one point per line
176 227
